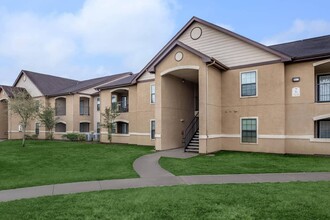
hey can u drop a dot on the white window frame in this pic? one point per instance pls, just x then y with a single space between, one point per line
240 128
151 85
152 120
240 84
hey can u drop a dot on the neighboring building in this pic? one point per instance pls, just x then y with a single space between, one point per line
208 89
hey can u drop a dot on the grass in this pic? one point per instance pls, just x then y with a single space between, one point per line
48 162
233 201
226 162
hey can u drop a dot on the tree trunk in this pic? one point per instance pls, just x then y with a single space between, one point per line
23 140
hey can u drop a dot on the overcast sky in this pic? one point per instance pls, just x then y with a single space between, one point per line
83 39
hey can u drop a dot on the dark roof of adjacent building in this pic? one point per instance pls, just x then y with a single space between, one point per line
91 83
53 85
47 84
312 48
127 81
10 90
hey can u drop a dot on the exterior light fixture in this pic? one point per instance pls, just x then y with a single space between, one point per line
295 79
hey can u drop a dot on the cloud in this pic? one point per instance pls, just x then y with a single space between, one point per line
123 35
300 29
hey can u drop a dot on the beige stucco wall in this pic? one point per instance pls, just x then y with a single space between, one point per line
301 110
3 119
141 111
268 107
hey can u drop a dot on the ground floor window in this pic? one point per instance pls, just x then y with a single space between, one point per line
152 129
37 131
84 127
98 127
120 128
60 127
249 130
323 128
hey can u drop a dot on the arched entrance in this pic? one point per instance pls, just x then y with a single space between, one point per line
3 119
179 104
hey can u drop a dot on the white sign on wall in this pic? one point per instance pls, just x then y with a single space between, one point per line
295 92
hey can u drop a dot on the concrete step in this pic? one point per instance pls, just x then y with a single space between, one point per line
192 150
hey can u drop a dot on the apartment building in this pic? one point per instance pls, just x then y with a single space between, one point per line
208 89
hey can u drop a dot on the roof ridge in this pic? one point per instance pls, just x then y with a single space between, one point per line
44 74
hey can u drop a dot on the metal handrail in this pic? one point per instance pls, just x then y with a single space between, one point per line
190 131
121 106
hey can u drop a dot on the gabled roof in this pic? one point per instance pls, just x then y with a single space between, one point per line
47 84
9 90
204 57
311 48
283 57
50 85
127 81
91 83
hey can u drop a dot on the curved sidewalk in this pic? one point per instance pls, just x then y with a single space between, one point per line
153 175
78 187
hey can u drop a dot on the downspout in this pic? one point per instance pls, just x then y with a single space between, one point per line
207 96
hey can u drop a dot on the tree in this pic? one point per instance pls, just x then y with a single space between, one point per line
109 115
47 118
25 107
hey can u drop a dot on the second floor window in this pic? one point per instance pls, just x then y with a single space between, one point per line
60 106
84 106
248 84
152 94
323 88
98 104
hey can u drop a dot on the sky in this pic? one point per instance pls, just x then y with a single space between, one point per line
83 39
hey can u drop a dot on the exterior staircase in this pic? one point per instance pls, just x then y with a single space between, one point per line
190 139
193 145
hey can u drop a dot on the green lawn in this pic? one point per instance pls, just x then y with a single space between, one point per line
226 162
233 201
48 162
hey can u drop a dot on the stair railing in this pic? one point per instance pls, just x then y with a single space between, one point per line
190 131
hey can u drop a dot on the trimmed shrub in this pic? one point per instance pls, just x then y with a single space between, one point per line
74 137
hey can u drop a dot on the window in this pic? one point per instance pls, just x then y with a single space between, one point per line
152 94
249 130
248 84
98 103
84 127
37 131
84 106
323 128
98 127
323 88
60 106
152 129
60 127
120 128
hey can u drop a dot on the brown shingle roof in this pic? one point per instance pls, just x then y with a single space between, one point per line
307 48
9 90
119 83
91 83
53 85
47 84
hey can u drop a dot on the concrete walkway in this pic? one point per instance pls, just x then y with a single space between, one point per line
153 175
78 187
147 166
